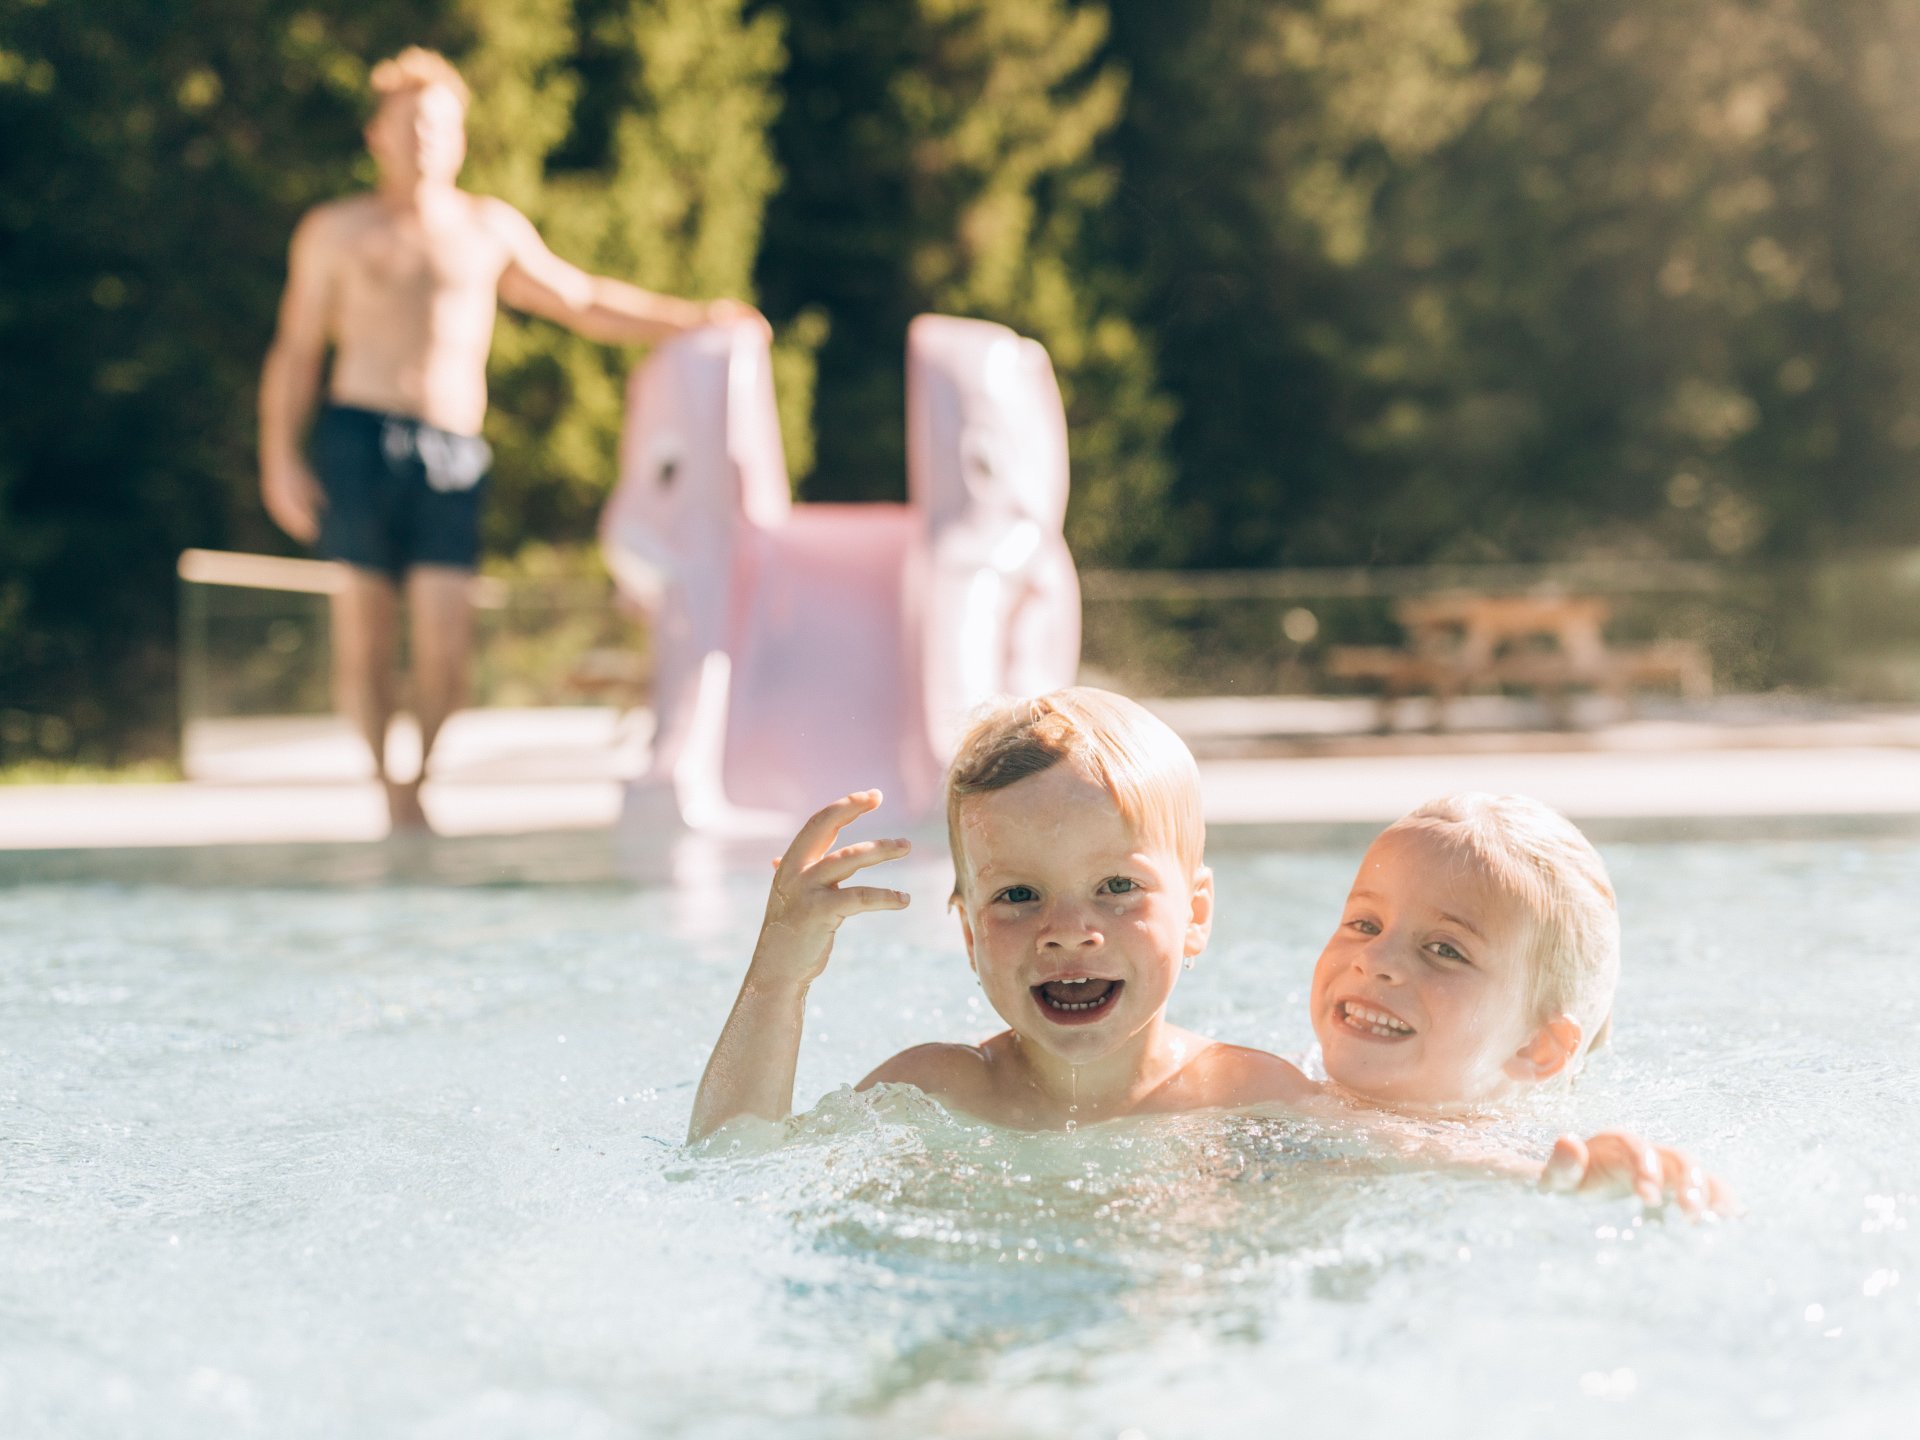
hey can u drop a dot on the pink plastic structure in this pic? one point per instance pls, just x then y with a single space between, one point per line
805 651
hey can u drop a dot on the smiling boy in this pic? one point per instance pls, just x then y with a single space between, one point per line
1076 833
1476 957
1475 960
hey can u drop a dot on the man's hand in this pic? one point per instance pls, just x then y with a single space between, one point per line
727 312
1615 1162
808 900
293 498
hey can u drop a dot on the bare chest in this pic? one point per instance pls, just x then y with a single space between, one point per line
407 262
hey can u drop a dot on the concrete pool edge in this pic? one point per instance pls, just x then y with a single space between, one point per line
526 780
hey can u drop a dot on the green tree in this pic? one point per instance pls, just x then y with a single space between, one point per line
1512 278
944 155
1281 167
657 170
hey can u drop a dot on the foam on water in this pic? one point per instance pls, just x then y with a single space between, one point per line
404 1159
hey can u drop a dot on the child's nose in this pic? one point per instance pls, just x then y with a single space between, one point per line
1380 956
1069 926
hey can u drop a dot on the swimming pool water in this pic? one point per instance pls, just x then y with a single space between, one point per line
378 1156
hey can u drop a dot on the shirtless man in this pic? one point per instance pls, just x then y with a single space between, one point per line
403 284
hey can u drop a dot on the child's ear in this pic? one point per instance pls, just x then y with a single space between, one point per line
966 931
1200 918
1548 1051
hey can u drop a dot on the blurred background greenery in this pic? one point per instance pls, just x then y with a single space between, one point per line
1327 282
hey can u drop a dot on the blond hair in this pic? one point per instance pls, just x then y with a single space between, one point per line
1143 765
416 68
1539 857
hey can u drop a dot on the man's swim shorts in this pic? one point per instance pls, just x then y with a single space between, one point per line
400 492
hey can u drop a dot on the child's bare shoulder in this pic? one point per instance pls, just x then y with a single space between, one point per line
1236 1075
946 1072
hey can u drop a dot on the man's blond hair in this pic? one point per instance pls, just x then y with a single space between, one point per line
1132 753
1539 857
416 68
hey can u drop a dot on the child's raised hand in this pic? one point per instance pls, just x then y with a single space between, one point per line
751 1069
1617 1162
809 900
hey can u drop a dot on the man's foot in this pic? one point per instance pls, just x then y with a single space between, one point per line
404 815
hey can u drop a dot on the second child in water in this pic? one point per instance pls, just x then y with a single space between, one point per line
1077 840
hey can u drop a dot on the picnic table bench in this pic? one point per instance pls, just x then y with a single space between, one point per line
1550 644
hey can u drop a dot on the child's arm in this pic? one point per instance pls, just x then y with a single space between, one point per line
751 1070
1617 1161
1614 1161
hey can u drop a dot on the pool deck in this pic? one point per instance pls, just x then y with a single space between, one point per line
1265 762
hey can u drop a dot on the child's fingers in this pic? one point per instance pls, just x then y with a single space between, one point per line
857 899
1699 1195
817 834
851 859
1682 1178
1624 1160
1720 1198
1615 1160
1566 1167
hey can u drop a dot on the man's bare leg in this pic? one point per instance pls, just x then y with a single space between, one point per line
365 632
440 603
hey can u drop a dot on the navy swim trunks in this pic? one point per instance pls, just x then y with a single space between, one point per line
400 492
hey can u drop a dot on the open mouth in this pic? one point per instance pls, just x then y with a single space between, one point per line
1077 1002
1370 1020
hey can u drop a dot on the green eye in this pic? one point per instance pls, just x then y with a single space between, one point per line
1019 894
1447 952
1120 885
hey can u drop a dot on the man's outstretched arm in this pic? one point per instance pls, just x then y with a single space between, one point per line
290 381
596 306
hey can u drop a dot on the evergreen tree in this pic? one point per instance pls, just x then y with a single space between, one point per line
667 191
1297 290
1516 278
943 156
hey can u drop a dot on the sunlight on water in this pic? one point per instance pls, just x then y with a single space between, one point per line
404 1159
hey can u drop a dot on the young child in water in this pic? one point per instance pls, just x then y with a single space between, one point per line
1077 840
1475 959
1076 833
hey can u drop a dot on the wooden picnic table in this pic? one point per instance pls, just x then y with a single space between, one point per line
1546 643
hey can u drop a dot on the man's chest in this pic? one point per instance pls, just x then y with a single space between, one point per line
407 260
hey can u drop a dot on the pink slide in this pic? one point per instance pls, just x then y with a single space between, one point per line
804 651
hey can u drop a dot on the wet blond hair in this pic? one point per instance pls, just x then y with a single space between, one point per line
416 68
1539 858
1131 752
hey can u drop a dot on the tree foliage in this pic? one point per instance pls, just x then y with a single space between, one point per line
944 155
668 191
1522 278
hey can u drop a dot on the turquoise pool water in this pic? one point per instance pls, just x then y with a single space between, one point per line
348 1146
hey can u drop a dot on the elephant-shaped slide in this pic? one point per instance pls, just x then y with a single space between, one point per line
803 651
